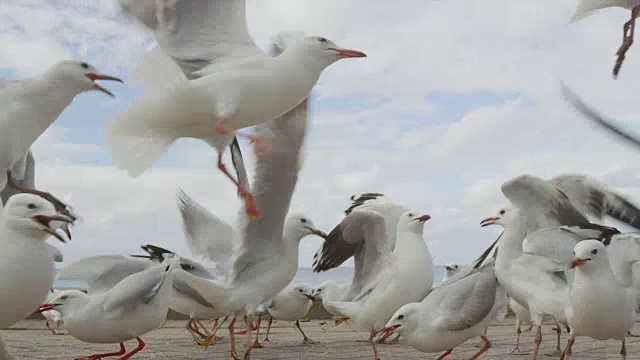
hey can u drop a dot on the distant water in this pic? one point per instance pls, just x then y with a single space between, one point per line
304 275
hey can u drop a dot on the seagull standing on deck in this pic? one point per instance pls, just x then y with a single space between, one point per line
244 88
30 106
26 261
599 306
391 278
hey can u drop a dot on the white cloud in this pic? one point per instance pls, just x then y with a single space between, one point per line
446 158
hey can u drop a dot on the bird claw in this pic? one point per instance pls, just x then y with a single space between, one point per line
256 345
259 148
251 209
309 341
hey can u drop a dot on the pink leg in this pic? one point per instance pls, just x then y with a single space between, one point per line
446 353
50 329
538 340
134 351
100 356
266 339
486 346
567 350
249 201
373 344
261 151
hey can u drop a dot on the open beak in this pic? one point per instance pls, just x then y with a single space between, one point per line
45 307
317 232
489 221
45 221
95 77
344 53
448 268
386 332
577 262
423 218
310 297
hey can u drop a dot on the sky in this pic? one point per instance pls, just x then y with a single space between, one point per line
454 98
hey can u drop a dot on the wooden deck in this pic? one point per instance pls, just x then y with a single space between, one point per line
30 340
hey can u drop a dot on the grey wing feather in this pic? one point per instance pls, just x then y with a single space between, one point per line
141 287
183 287
468 301
361 234
598 119
102 273
545 205
597 200
555 245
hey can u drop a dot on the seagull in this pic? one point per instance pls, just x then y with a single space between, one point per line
599 306
253 271
388 278
52 316
454 312
242 88
183 298
527 264
25 258
31 105
131 308
449 271
330 290
291 304
588 7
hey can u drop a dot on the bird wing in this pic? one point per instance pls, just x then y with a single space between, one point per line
206 234
465 302
361 234
597 200
544 204
102 273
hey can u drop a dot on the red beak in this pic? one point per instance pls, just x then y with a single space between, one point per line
577 262
45 307
489 221
386 332
348 53
448 268
95 77
424 218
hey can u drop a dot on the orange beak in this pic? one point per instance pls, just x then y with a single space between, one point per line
489 221
95 77
386 332
577 262
348 53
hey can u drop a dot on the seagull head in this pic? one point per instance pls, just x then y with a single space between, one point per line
404 320
413 221
62 301
322 49
299 226
589 253
82 75
500 218
303 291
323 288
34 215
451 269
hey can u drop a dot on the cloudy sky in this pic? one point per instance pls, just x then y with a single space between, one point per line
455 98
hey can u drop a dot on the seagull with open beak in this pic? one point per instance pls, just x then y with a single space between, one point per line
25 258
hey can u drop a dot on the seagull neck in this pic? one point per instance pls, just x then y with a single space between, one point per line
16 233
291 243
510 243
73 305
293 62
50 87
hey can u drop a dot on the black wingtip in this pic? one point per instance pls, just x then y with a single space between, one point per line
630 214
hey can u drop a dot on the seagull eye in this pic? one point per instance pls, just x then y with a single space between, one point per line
84 65
300 290
410 214
31 206
304 221
400 317
594 251
322 40
64 297
502 212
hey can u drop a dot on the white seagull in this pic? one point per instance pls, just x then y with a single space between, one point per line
449 271
252 271
52 316
291 304
330 290
243 87
25 258
387 277
599 306
31 105
131 308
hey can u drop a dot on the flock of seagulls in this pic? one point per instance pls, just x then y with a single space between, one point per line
206 79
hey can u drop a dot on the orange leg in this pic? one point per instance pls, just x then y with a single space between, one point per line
249 201
261 151
50 329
